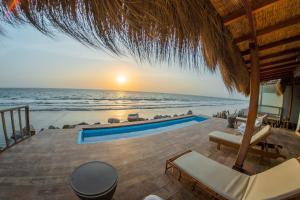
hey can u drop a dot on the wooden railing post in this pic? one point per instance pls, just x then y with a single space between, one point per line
24 134
20 122
27 120
4 129
253 106
13 125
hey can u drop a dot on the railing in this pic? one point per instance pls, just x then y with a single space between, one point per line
271 110
16 136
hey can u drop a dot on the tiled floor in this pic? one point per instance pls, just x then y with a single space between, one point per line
39 168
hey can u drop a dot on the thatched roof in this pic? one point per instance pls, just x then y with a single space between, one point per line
194 33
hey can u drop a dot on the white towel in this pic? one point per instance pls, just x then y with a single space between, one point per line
242 127
152 197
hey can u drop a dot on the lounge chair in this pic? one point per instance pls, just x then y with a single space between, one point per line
258 123
258 139
242 119
222 182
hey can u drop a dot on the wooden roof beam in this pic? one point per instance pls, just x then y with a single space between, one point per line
284 60
294 64
269 29
274 44
277 74
277 70
290 68
280 53
292 58
241 12
277 54
277 62
269 78
281 66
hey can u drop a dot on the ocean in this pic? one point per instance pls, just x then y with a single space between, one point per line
72 106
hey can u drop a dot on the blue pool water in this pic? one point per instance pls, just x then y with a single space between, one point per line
138 130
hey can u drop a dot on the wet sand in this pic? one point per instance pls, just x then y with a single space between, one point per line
43 119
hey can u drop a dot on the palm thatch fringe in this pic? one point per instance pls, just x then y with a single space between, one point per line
188 32
279 88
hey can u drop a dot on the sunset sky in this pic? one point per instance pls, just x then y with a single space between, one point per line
31 59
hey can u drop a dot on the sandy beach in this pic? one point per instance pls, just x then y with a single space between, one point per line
44 119
59 107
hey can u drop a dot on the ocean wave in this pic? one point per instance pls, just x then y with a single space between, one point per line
103 109
119 107
106 99
118 104
97 100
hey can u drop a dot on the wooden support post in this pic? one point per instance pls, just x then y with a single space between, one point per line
13 125
20 122
4 129
291 101
253 106
27 120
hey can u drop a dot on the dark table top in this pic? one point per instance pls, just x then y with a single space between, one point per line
94 178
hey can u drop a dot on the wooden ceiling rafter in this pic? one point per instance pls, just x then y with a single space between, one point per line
274 76
280 53
284 65
294 62
269 29
275 63
241 12
277 54
274 44
280 66
269 78
283 69
281 61
275 73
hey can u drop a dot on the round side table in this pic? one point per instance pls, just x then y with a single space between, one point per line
94 180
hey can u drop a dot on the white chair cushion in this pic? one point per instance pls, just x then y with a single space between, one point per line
219 178
236 139
279 182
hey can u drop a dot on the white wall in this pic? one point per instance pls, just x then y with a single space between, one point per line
268 97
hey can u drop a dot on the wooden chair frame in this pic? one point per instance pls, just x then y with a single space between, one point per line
263 151
171 165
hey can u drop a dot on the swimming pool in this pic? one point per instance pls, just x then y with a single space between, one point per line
135 130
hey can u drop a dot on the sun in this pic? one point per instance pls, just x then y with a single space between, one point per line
121 79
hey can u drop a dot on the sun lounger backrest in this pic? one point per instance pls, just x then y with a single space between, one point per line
219 178
280 182
260 135
262 117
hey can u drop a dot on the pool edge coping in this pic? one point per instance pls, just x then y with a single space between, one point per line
79 136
